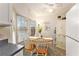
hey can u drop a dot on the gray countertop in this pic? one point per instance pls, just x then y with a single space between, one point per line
9 49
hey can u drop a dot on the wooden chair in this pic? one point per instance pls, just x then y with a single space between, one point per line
31 48
42 49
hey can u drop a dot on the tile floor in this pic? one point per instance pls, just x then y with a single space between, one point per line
51 52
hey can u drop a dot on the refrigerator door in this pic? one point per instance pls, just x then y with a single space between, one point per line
72 30
72 47
72 22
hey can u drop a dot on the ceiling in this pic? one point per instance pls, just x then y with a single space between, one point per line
33 10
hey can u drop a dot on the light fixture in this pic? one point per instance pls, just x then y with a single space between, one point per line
50 10
59 17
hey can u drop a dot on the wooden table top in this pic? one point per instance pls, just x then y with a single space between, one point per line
33 38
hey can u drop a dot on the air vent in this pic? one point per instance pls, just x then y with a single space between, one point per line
64 18
59 17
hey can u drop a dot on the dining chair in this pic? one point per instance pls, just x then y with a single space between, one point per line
30 48
42 49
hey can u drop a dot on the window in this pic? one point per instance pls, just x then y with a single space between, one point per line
21 28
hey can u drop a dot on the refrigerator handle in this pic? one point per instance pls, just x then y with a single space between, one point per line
72 38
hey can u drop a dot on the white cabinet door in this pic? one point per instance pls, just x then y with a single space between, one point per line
72 22
72 47
4 12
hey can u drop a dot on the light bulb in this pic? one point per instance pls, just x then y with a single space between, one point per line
50 10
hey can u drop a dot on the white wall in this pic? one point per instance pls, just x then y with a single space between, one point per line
72 30
12 16
60 33
44 21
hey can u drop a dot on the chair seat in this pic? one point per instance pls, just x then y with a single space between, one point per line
29 49
42 51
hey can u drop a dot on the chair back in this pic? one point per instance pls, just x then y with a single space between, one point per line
43 46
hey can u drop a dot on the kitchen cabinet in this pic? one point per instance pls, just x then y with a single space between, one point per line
72 47
4 14
72 31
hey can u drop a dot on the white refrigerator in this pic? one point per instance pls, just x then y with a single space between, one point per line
72 31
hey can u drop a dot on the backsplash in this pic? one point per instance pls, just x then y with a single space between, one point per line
4 33
3 42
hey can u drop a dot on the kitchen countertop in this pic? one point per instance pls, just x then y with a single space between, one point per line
9 49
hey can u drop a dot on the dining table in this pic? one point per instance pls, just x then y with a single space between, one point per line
44 40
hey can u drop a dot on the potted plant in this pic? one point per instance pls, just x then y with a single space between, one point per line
40 30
